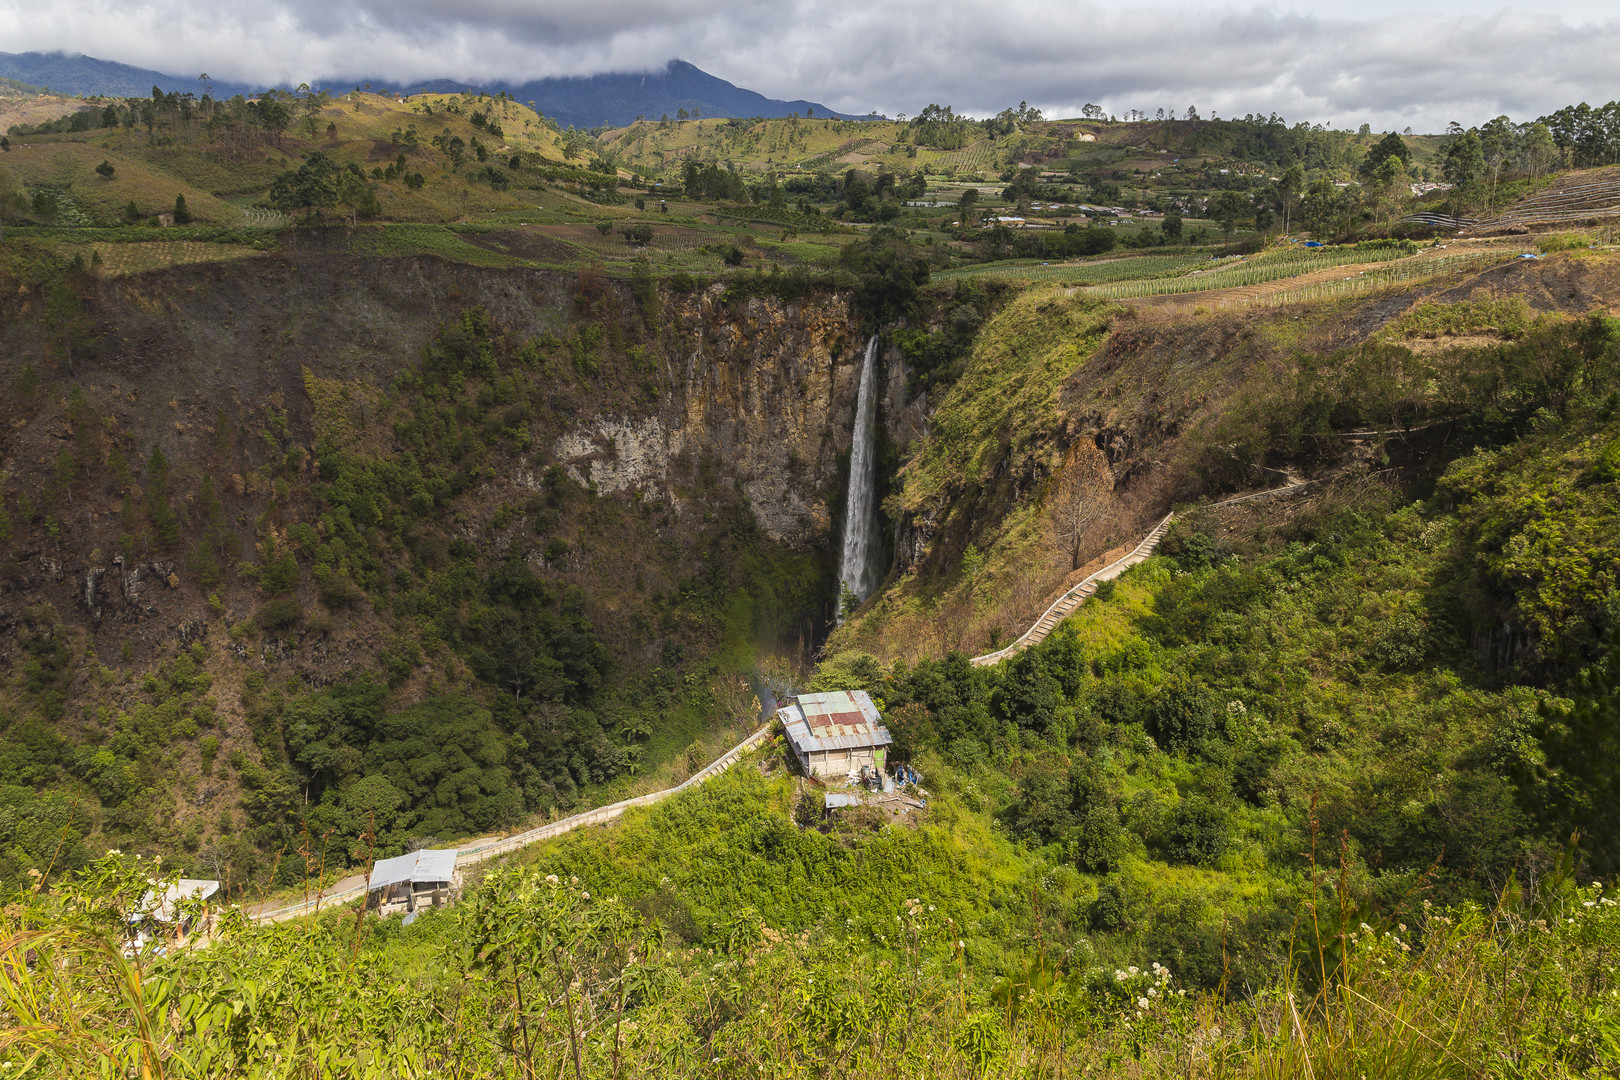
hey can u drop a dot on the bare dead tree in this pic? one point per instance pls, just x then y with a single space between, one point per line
1080 502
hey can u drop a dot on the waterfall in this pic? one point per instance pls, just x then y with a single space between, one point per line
856 570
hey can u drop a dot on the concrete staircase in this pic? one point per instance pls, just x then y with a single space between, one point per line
1065 605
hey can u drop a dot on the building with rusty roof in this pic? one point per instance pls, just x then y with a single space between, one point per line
835 734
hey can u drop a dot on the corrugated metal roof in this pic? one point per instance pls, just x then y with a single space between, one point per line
436 864
840 720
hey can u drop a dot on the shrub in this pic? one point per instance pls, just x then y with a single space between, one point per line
1198 832
282 613
1180 714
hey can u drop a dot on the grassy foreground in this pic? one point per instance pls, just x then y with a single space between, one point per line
537 976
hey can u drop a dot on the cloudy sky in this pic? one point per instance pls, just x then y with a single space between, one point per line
1417 63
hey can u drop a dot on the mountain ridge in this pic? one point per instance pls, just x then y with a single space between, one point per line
610 99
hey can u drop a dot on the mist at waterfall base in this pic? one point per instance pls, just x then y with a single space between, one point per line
857 569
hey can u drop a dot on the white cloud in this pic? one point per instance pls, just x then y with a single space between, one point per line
1391 65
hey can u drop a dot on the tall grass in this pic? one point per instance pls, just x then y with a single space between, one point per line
534 975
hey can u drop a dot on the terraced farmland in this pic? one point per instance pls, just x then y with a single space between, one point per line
1100 272
1270 266
1405 272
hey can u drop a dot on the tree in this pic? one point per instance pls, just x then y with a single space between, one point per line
1464 165
1391 144
310 190
1386 179
311 102
1577 787
1498 143
46 206
272 114
182 213
105 170
1290 185
1229 208
1321 205
968 205
1078 503
1538 149
1171 225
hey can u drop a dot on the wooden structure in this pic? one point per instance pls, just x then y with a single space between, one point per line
836 734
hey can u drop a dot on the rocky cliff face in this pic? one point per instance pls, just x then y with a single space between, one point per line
764 389
219 369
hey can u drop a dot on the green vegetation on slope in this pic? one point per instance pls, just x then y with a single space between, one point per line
486 669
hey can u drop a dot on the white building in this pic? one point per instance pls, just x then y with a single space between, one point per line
177 911
420 879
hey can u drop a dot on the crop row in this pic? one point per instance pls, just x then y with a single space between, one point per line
1127 269
1238 275
1371 280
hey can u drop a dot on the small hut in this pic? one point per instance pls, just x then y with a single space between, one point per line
177 910
835 734
409 882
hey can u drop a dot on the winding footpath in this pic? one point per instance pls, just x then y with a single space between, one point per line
354 888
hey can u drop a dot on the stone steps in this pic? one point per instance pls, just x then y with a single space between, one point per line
1069 602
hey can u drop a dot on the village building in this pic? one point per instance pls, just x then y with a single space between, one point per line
835 735
421 879
177 911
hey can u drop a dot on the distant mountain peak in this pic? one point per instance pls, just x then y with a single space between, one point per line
610 99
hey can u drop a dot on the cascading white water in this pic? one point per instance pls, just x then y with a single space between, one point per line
856 570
